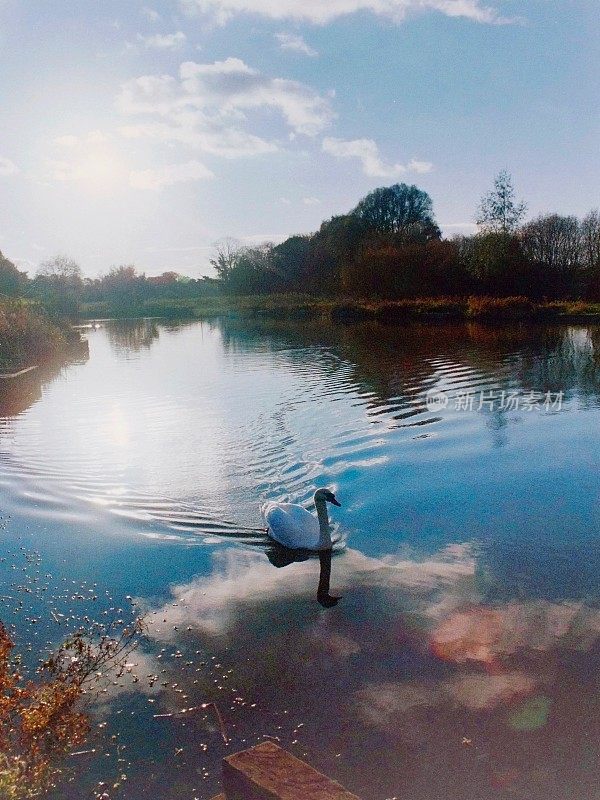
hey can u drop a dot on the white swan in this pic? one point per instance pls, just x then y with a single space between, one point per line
294 527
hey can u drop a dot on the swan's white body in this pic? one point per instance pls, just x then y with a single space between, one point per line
293 526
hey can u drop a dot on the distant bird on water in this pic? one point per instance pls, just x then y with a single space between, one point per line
293 526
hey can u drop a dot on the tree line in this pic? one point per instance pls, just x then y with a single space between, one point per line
60 286
388 247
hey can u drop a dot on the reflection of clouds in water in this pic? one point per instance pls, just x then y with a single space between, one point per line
403 708
531 635
440 591
490 634
487 691
245 581
139 675
408 671
495 656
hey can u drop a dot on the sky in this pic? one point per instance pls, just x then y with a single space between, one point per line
144 131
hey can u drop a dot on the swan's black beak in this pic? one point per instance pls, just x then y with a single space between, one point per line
334 502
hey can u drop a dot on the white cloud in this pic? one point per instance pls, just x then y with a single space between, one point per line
367 152
97 137
206 107
98 169
69 141
63 171
295 43
320 12
201 133
233 87
414 165
311 201
7 167
151 14
163 41
168 175
89 158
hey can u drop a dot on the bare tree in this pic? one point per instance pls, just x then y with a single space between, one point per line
553 244
226 254
60 266
61 271
499 211
590 240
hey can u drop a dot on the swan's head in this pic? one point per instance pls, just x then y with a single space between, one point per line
326 496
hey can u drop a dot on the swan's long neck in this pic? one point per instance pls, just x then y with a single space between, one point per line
324 529
322 513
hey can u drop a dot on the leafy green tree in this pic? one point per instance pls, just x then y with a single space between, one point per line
165 279
290 259
496 264
59 284
334 246
499 211
124 287
400 209
394 272
256 272
12 281
121 279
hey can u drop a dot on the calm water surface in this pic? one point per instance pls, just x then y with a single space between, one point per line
462 659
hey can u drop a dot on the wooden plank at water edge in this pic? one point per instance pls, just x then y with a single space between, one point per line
10 375
266 772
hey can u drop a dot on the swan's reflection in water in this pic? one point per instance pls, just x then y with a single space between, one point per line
281 556
323 596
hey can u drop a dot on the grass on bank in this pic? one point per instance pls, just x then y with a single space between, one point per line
28 336
298 306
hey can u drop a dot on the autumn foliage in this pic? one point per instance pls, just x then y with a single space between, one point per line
39 725
27 335
42 721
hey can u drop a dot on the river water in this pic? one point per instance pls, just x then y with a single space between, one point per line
462 658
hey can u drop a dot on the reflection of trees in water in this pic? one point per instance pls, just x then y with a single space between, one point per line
132 335
19 394
398 364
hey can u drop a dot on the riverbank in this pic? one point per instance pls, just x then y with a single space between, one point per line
298 306
29 337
